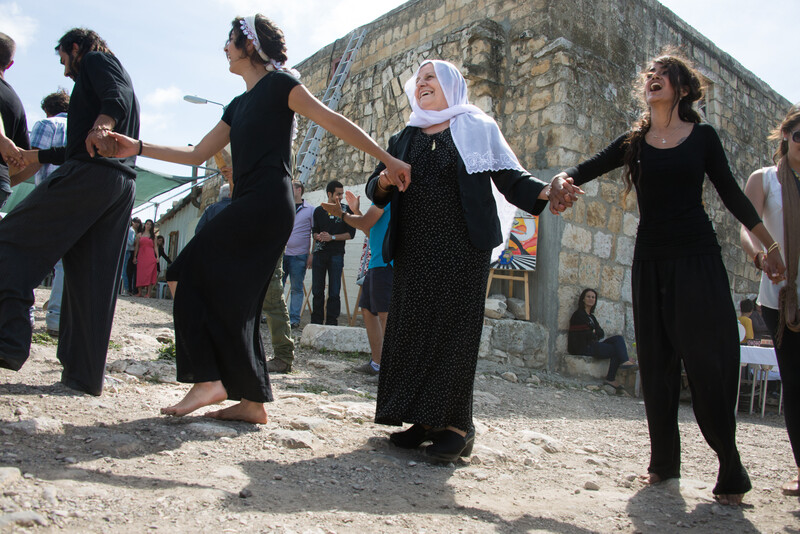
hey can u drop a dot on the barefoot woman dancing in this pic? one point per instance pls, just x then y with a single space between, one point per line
223 272
678 279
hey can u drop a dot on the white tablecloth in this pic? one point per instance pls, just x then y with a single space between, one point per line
758 355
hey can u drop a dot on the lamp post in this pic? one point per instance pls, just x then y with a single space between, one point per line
194 99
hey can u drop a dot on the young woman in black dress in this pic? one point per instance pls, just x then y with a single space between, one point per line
224 271
682 305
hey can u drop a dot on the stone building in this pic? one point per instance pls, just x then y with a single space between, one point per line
558 78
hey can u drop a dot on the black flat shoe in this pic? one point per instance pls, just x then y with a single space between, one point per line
411 438
449 446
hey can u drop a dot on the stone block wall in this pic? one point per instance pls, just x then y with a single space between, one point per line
557 75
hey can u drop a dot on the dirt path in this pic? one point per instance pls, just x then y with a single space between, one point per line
549 457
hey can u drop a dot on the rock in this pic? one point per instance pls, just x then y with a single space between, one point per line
335 338
142 340
118 444
591 485
314 424
293 439
495 308
485 397
332 411
516 307
165 335
584 366
38 425
136 369
548 443
498 296
9 475
25 519
21 410
117 366
509 376
245 493
535 380
327 365
212 430
522 340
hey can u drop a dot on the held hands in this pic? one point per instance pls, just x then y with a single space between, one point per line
125 146
324 237
11 153
100 142
563 193
397 173
773 266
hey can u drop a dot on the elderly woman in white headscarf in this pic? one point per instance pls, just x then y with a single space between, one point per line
444 224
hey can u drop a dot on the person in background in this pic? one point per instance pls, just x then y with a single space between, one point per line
760 329
145 258
746 309
330 233
46 133
774 193
298 256
130 266
587 337
160 249
376 290
224 200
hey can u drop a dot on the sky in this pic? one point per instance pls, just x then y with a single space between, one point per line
172 48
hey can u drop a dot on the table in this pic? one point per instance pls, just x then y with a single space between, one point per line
763 359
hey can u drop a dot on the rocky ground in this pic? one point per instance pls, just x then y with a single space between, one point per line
552 455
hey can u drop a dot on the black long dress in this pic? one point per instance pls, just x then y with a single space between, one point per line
433 332
224 271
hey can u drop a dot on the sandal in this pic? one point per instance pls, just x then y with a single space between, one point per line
620 388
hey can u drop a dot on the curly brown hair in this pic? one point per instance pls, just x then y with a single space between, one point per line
271 38
56 103
682 75
787 125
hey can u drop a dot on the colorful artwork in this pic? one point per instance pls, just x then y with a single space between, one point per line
520 254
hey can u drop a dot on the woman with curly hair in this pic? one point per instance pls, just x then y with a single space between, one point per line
774 193
224 271
682 306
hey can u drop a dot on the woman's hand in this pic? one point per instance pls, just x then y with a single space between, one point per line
11 153
397 173
125 146
773 266
563 193
353 202
333 208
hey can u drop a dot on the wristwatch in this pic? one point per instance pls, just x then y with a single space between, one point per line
333 238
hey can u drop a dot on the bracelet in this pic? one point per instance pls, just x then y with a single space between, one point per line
773 246
757 261
141 147
100 129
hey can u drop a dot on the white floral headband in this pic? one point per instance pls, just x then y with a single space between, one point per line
248 27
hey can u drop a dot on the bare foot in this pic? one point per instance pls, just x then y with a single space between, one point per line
201 394
733 499
247 411
792 487
650 478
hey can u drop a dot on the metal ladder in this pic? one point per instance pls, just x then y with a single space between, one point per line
309 149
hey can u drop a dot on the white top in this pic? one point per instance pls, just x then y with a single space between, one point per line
773 221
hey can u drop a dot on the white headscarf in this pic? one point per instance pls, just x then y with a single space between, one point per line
479 141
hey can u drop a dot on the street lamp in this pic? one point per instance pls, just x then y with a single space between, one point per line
194 99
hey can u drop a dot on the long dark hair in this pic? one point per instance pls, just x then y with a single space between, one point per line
581 305
789 123
681 76
87 41
271 38
152 229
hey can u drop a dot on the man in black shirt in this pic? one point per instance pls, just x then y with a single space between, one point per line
13 126
329 233
81 214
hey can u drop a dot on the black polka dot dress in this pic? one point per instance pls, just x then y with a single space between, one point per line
436 313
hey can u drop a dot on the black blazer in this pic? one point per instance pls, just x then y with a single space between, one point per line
480 210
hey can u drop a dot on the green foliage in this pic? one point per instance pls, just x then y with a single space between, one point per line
113 345
167 351
41 338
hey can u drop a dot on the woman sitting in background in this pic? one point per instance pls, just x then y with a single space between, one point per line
586 338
